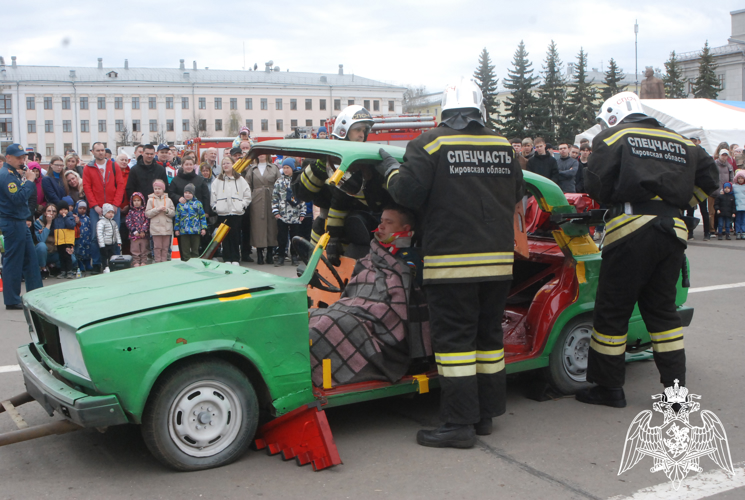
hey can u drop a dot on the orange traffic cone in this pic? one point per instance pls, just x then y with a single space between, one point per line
175 252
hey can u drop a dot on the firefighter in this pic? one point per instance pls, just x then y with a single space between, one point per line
465 180
648 174
347 209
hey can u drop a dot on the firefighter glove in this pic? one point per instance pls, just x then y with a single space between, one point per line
334 250
388 165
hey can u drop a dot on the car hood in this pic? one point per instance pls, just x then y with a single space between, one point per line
91 300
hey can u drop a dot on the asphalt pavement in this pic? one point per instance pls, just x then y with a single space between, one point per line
558 449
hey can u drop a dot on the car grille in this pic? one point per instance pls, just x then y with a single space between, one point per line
48 337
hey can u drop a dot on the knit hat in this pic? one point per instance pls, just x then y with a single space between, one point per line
322 129
290 162
69 201
62 204
189 188
158 181
108 207
81 203
727 185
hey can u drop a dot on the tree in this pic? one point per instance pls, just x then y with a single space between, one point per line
550 108
706 85
234 123
675 84
487 80
612 77
520 116
412 95
582 100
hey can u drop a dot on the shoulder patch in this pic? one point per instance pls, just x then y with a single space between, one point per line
12 187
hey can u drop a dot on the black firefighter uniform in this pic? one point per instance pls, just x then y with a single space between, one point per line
466 184
649 174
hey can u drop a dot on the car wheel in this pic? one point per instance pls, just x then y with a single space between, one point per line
201 415
567 368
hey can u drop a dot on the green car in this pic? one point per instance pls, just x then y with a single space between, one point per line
199 353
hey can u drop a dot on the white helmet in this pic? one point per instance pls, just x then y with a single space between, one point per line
618 107
462 95
350 116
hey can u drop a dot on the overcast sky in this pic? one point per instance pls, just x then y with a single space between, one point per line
405 42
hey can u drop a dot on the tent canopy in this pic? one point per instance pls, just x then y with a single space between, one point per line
710 120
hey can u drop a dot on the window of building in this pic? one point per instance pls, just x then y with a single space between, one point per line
233 103
323 122
184 125
32 147
293 104
65 103
218 125
218 102
66 125
337 104
84 103
101 103
102 125
322 104
184 103
376 105
169 125
169 102
85 147
48 126
30 103
84 126
293 124
249 103
202 103
118 103
264 105
278 104
49 149
153 125
721 81
47 102
308 123
280 126
135 103
391 106
151 103
308 104
67 146
31 126
202 125
250 124
350 102
136 127
264 125
366 104
119 126
5 103
6 125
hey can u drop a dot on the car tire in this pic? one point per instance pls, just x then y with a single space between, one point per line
567 366
200 415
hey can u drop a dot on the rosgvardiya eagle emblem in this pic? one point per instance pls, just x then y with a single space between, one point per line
676 446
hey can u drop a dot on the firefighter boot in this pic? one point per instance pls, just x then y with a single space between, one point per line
606 396
448 436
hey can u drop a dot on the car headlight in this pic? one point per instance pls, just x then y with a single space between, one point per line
31 326
71 351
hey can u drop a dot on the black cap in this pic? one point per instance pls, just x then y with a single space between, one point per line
107 150
236 151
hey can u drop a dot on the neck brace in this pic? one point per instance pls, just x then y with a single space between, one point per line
396 241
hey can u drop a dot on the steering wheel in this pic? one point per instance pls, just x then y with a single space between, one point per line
305 250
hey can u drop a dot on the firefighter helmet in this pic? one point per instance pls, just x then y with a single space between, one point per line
618 107
462 95
350 116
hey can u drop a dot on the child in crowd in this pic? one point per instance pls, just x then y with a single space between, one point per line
738 189
107 231
725 209
139 226
190 224
63 228
288 210
83 237
160 211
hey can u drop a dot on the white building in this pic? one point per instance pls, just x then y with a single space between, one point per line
52 109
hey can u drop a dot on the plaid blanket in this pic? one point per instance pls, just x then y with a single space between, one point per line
377 326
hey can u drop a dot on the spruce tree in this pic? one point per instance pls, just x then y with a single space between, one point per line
582 105
520 116
487 80
612 77
706 85
550 112
675 84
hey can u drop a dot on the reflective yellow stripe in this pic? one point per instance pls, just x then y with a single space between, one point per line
607 350
466 272
339 214
490 368
455 357
334 222
664 134
699 193
388 182
609 339
310 181
627 227
469 259
457 371
465 140
489 356
675 345
668 335
314 237
619 220
680 228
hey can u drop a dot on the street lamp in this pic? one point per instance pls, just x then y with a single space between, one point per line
636 59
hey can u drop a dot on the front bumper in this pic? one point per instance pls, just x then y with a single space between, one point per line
55 395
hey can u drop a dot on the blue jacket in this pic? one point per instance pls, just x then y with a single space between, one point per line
739 190
53 188
14 194
190 218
